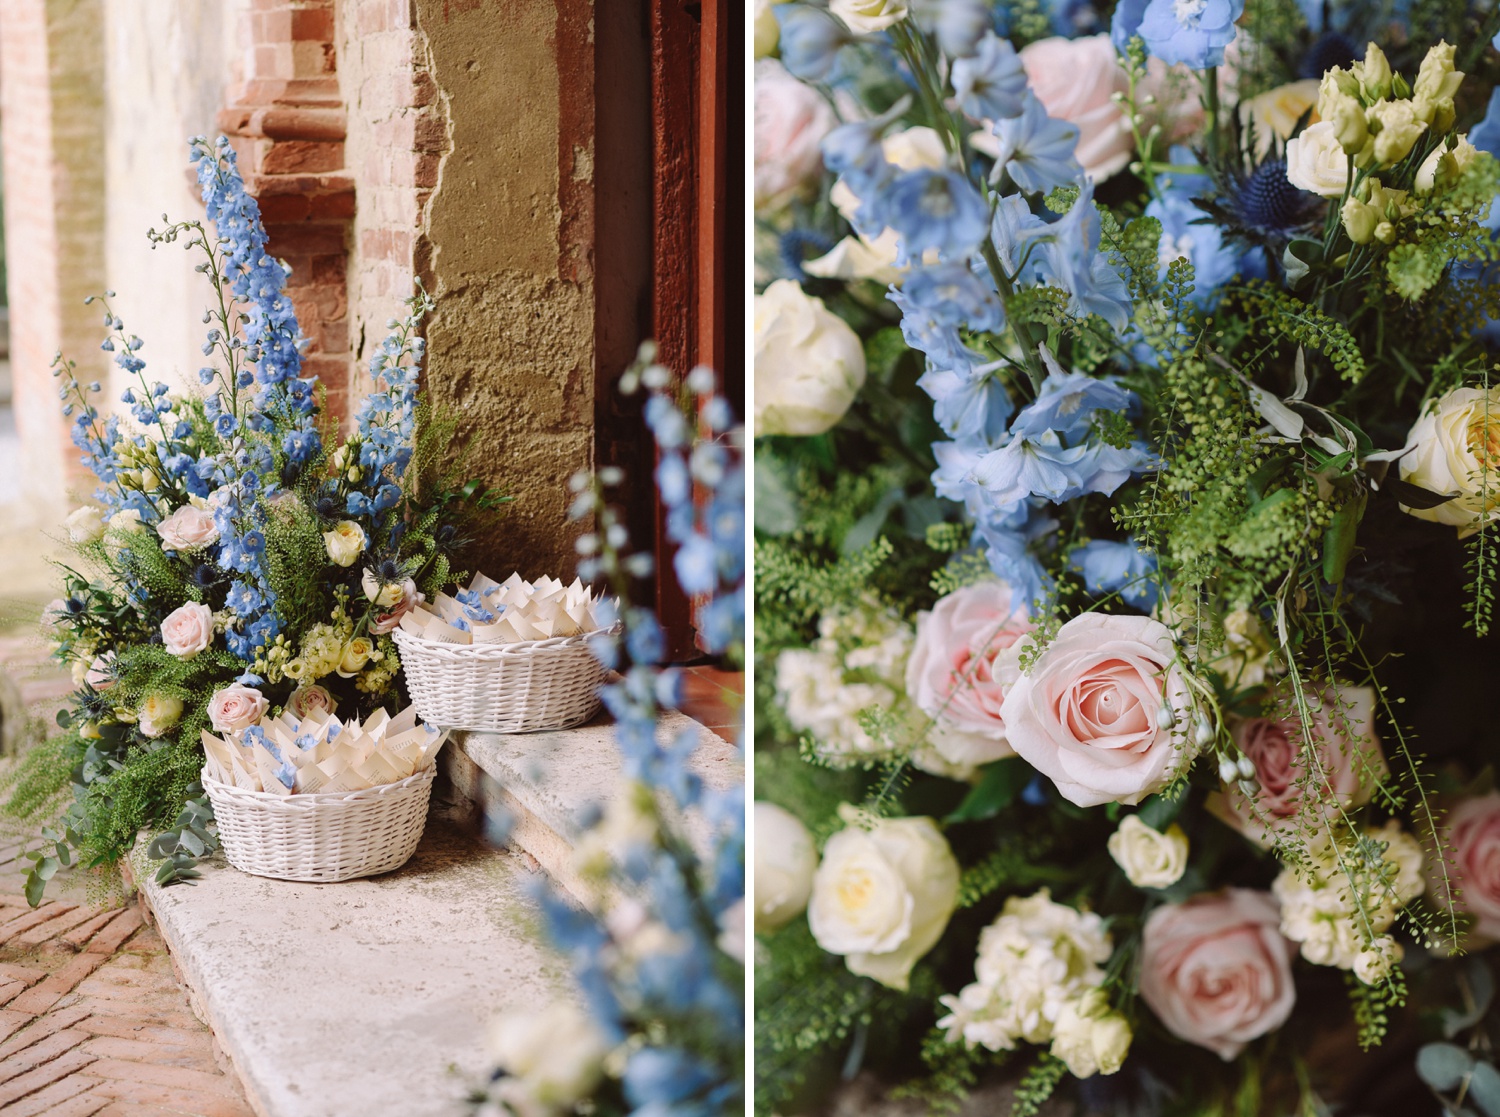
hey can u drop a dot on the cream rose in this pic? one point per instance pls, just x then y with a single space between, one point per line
555 1054
310 698
1104 711
962 664
158 713
1076 80
1473 834
85 524
126 519
1150 858
1216 970
1274 113
236 707
188 529
1445 165
809 365
1090 1037
882 897
357 653
1315 161
1341 735
388 622
188 629
383 595
785 861
1451 451
345 543
791 119
865 17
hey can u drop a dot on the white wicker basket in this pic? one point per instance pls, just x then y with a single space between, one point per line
321 836
502 688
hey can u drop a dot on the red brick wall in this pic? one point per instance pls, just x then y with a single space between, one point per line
286 118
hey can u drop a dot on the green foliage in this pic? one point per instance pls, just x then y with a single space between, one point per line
1038 1085
953 1072
1282 314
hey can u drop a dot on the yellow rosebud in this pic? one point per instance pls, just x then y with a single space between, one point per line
1373 74
1437 84
1337 85
1349 125
357 653
1359 220
1385 232
1446 164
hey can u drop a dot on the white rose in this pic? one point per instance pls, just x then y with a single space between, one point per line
809 365
1316 162
85 525
345 543
356 654
556 1052
1089 1037
882 897
236 707
785 862
1451 450
791 119
188 529
865 17
126 519
158 713
188 629
1149 857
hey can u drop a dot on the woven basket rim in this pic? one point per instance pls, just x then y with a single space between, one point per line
443 650
313 798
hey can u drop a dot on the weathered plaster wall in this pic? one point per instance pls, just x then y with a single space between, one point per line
478 122
167 63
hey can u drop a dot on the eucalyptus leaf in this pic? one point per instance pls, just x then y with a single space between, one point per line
1338 540
999 785
1443 1066
1414 496
1484 1089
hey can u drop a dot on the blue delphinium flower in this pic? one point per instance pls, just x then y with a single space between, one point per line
1036 151
937 210
958 25
1067 402
954 296
1486 134
810 41
1068 256
1011 232
1186 232
1109 567
927 333
992 84
1192 33
971 402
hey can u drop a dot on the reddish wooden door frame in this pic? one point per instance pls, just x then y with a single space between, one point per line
695 185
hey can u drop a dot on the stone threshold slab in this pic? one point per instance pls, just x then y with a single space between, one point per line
368 996
544 787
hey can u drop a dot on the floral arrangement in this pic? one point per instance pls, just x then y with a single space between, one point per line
1125 499
660 955
240 558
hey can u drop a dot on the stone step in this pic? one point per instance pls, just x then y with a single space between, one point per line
364 997
542 788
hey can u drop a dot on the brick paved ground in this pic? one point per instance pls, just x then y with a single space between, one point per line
92 1018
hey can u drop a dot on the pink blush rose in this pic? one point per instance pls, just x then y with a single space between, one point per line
1089 716
236 707
1076 80
101 672
1344 743
310 698
188 529
1217 971
1473 835
791 120
188 629
959 671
